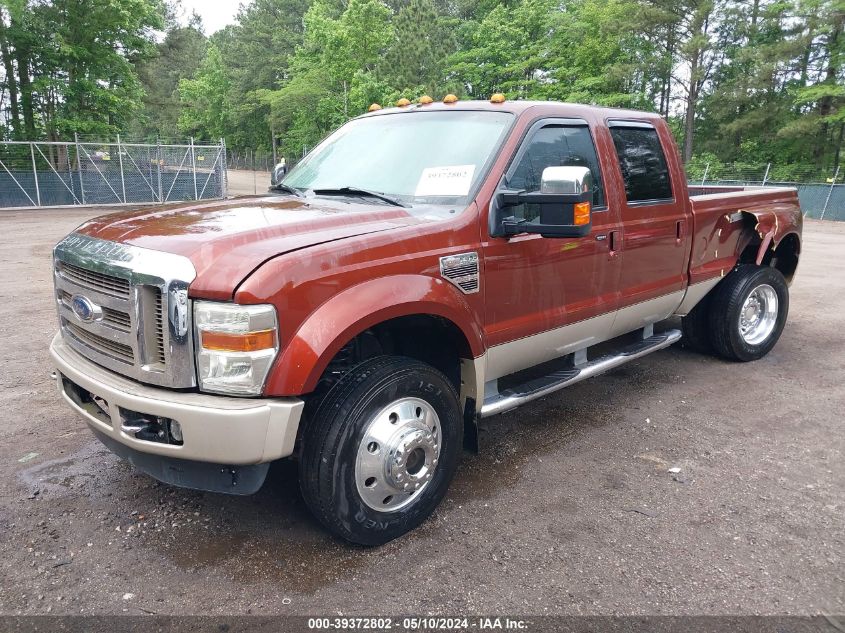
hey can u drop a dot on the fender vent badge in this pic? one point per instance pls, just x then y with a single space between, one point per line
461 270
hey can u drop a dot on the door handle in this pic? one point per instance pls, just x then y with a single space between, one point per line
680 227
614 242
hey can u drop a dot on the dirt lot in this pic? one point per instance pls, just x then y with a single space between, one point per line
246 183
571 508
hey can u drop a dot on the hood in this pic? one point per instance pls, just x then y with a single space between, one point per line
226 240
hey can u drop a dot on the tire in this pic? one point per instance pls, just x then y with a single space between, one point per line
370 477
726 312
696 328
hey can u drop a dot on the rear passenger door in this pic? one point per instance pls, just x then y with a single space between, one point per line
655 226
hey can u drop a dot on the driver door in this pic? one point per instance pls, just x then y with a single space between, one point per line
548 297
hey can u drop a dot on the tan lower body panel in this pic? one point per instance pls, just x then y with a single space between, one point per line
532 350
696 293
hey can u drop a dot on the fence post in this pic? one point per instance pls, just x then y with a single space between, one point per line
70 171
829 193
79 167
224 185
766 175
194 167
35 174
704 177
120 160
158 165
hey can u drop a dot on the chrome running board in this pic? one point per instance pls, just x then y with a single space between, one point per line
543 386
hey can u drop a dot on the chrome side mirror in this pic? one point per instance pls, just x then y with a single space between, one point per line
567 180
564 200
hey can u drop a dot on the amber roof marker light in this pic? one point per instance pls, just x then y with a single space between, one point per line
425 100
497 98
374 108
403 102
450 98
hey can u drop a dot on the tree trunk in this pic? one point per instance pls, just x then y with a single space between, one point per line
692 103
825 107
25 85
11 82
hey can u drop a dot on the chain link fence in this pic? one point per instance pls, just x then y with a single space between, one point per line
261 160
47 174
821 194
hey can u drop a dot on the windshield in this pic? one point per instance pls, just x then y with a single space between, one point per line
427 158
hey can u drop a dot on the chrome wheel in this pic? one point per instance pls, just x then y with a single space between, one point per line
398 454
759 315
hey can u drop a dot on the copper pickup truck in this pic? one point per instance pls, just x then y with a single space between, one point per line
424 267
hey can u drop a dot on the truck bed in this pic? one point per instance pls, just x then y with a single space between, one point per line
720 213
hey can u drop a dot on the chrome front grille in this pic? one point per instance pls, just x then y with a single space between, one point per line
117 351
158 316
107 284
113 318
113 308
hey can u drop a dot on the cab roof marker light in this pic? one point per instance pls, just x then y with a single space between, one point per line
425 100
450 98
497 98
374 108
403 102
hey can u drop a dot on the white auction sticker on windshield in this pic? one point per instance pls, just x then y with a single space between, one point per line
452 180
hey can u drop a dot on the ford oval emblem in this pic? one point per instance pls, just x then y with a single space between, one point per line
85 309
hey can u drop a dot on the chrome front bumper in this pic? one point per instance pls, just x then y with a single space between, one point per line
215 429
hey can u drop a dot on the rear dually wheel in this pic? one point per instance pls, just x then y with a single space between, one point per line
748 312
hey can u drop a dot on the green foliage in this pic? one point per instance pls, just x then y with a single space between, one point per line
177 57
205 99
75 62
741 82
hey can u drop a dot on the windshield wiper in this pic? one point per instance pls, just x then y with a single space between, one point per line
286 189
355 191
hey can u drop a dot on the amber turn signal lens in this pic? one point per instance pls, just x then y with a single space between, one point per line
582 213
226 342
497 98
374 107
402 103
450 98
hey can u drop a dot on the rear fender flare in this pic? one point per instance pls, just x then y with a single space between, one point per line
770 227
352 311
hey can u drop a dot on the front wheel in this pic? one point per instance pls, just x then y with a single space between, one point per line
748 312
381 449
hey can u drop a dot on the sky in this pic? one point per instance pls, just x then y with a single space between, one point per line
215 14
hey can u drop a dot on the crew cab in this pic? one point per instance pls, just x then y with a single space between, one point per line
424 267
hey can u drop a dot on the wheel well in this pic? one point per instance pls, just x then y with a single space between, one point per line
784 257
424 337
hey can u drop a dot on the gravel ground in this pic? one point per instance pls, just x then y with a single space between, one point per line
571 508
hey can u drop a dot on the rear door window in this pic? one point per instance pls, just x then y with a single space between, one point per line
643 164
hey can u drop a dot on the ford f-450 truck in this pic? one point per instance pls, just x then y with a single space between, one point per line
422 268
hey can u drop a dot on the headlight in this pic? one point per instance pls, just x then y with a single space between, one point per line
236 346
